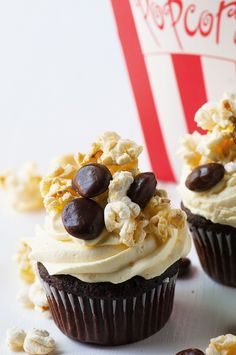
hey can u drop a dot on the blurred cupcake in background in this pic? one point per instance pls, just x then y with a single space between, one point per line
208 188
108 254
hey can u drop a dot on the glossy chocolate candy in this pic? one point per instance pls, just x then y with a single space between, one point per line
191 351
83 218
142 189
184 267
204 177
91 180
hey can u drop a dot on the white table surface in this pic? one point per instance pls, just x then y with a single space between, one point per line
202 308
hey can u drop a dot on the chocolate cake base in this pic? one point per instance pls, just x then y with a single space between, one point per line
216 247
110 314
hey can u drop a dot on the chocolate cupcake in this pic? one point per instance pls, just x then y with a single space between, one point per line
208 188
109 251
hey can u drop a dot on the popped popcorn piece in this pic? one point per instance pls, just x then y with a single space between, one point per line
22 188
116 153
220 115
37 297
120 216
163 223
219 119
189 149
222 345
119 185
216 146
157 203
115 150
230 167
126 219
15 338
56 188
25 267
23 297
38 342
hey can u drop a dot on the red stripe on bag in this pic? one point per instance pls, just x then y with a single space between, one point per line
190 80
142 90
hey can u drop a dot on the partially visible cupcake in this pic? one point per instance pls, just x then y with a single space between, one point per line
109 251
208 188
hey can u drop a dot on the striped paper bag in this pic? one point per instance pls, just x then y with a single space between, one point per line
179 54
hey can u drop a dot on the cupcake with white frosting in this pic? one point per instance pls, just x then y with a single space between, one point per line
208 188
109 250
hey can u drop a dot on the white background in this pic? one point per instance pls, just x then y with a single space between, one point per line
63 79
62 82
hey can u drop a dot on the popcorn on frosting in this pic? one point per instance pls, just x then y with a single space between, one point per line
219 119
22 188
222 345
220 115
56 188
109 149
131 224
121 215
114 150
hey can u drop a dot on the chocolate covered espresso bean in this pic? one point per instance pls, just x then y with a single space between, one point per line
142 189
192 351
92 180
204 177
83 218
184 267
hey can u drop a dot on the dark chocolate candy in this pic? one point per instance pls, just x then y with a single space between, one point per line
142 189
205 177
192 351
184 267
91 180
83 218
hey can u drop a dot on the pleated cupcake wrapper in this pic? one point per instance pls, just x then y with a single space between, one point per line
112 321
217 254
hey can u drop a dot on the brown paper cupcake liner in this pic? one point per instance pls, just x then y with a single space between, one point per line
216 248
217 254
112 321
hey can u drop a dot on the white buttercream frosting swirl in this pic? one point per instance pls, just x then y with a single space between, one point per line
106 259
133 242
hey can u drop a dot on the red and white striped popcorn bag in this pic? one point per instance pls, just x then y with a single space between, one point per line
179 55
